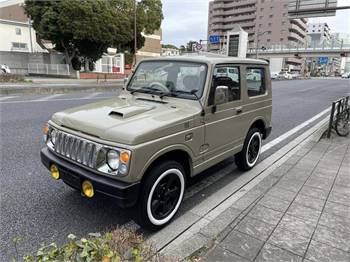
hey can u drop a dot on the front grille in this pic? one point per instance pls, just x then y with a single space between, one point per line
76 148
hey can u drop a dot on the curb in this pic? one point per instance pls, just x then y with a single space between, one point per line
59 90
198 228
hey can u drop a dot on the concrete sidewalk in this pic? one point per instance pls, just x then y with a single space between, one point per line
301 212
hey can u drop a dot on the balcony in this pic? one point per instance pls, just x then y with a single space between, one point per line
295 38
296 29
299 23
221 5
217 20
239 18
236 11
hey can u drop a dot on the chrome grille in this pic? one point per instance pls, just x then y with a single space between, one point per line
76 148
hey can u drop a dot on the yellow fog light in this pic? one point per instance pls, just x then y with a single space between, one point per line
87 188
54 172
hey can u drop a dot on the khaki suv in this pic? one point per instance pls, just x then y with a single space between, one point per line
174 118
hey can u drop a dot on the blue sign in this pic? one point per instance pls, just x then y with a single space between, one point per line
323 60
214 39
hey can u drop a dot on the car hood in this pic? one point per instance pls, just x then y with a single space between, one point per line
130 119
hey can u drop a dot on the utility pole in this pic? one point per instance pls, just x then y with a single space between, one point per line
135 33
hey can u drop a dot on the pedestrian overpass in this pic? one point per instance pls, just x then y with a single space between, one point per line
307 50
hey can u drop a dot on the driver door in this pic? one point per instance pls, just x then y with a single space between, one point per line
222 122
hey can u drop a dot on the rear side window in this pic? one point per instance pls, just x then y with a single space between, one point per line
255 78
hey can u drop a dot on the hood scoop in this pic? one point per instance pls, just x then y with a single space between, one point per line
129 111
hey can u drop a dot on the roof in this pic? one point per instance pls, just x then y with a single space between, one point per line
211 59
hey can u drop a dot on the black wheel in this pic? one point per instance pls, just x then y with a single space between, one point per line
342 124
161 195
247 158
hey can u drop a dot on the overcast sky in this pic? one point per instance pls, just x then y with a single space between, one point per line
186 20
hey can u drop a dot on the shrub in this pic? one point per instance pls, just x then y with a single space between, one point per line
11 78
118 245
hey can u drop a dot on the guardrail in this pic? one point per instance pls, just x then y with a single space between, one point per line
338 108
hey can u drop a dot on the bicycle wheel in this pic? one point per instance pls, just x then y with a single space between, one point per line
342 124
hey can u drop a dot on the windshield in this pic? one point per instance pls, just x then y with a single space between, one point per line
169 78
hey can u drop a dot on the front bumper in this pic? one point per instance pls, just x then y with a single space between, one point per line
126 194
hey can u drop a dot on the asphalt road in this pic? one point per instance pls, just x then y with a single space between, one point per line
41 210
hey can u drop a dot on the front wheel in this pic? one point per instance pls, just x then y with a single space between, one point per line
161 195
247 158
342 124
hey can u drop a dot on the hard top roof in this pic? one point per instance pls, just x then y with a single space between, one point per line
209 59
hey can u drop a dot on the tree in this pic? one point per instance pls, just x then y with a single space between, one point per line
189 45
83 30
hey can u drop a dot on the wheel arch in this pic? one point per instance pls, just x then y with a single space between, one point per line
260 124
177 153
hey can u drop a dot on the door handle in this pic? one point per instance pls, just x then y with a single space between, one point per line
239 110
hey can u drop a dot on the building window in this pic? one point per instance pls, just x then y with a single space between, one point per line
261 9
270 24
268 40
270 16
269 32
281 39
18 31
261 17
271 8
19 45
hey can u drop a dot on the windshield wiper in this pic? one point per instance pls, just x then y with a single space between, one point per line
147 90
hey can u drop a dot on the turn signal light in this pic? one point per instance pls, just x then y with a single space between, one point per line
88 189
46 129
124 157
54 172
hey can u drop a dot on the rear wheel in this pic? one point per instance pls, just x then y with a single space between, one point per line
247 158
161 195
342 124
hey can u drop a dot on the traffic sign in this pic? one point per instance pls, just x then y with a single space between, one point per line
198 46
214 39
323 60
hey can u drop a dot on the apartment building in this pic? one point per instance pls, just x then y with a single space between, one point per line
266 22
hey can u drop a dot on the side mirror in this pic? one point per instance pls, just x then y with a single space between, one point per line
221 95
125 80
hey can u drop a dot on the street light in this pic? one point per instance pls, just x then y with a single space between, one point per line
257 42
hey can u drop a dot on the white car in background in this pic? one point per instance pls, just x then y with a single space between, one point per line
4 69
284 75
346 75
274 75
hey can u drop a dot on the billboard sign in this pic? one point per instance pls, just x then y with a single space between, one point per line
311 8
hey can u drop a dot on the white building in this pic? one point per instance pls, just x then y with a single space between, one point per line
318 32
16 32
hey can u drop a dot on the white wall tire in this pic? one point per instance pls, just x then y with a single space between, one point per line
161 195
243 159
160 222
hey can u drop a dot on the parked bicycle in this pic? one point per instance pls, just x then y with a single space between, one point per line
339 119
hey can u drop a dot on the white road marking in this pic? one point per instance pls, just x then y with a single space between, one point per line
92 95
292 131
46 98
6 97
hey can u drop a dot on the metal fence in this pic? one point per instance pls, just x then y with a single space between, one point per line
49 69
337 108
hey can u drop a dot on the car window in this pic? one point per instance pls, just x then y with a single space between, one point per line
255 78
226 79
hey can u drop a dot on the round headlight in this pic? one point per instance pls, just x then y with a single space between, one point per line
113 159
53 136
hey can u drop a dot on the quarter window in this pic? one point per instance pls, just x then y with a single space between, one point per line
255 78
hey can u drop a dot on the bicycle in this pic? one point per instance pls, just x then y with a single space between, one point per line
342 122
339 119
